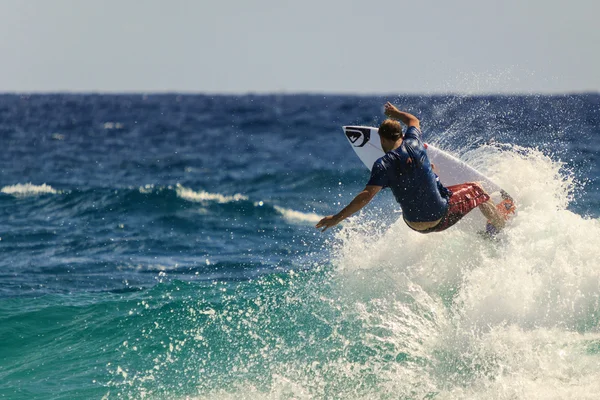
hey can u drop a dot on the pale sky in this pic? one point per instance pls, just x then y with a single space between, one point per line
265 46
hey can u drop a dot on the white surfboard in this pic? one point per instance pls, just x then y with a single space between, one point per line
452 171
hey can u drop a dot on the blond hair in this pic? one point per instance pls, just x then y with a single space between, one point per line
390 129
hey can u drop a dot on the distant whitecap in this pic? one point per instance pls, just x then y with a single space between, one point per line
297 216
113 125
28 189
202 196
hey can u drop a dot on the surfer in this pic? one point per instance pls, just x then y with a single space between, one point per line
427 206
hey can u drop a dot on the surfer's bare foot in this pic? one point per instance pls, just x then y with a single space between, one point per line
488 209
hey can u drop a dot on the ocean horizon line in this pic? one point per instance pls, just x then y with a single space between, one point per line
286 93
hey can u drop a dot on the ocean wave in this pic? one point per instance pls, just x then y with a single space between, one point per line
297 216
29 189
202 196
510 307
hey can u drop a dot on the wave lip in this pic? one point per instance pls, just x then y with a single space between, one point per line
29 189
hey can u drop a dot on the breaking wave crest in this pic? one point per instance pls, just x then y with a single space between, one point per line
202 196
28 189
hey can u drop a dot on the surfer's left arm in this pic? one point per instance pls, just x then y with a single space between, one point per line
361 200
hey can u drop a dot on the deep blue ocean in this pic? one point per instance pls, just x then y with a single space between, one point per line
163 247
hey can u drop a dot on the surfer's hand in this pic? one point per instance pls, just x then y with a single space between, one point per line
328 222
390 109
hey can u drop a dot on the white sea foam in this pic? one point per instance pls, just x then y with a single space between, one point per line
146 189
297 216
514 305
202 196
28 189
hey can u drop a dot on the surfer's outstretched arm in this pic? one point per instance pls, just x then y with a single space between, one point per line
406 118
361 200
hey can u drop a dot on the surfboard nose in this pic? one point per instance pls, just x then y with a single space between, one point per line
358 136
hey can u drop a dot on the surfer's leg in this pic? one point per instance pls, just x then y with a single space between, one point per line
491 213
465 197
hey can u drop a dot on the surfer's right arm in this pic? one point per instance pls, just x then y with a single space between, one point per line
361 200
404 117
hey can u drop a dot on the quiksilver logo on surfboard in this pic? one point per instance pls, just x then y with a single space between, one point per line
358 136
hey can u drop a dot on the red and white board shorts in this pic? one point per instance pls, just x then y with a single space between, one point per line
465 197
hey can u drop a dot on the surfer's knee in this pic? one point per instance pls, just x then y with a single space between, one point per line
480 188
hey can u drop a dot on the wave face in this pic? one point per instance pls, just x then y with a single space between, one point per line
163 247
